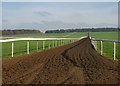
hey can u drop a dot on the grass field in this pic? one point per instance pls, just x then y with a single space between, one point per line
104 35
20 47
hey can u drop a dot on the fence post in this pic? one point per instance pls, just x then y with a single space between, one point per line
53 43
49 44
12 49
56 43
61 42
101 47
28 47
43 44
114 50
96 45
37 46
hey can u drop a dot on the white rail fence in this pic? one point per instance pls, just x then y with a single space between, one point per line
54 42
107 40
62 42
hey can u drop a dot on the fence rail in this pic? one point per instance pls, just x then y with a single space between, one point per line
55 43
37 39
107 40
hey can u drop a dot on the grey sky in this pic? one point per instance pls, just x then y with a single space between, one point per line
59 0
59 15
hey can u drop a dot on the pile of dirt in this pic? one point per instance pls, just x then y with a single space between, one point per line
75 63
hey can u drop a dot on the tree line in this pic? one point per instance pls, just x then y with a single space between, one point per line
84 30
17 32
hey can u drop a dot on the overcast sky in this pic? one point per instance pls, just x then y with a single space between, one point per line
59 15
60 0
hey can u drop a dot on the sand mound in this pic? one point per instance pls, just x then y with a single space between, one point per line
75 63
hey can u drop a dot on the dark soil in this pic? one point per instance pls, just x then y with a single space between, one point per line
75 63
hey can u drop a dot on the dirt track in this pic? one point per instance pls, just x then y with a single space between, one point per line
75 63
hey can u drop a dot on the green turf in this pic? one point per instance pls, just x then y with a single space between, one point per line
42 35
108 49
104 35
20 47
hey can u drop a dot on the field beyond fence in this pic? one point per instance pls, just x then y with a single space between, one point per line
20 47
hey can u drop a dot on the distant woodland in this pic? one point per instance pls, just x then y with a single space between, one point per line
24 31
84 30
18 32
